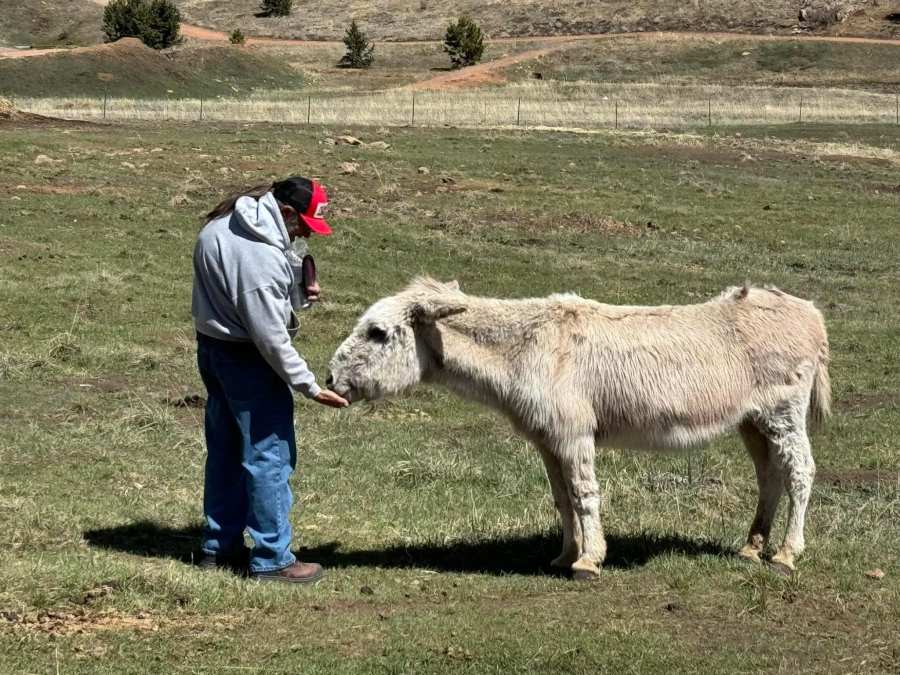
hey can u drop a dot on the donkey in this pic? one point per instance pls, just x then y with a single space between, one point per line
572 374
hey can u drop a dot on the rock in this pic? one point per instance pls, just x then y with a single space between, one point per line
348 140
128 165
44 159
745 53
378 145
424 170
875 574
349 168
329 141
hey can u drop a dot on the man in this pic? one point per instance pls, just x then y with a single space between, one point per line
242 310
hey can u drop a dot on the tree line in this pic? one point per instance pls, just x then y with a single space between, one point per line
156 23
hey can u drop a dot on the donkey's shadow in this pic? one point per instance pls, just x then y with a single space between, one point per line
521 554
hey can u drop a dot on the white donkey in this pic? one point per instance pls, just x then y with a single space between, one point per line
573 373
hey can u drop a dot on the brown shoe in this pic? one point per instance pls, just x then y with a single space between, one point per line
297 573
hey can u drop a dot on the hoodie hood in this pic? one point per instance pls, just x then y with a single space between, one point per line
262 220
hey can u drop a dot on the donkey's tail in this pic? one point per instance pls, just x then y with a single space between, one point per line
820 396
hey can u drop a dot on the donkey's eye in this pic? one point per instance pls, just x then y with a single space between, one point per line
376 334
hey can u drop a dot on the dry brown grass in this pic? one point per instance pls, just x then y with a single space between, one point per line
427 19
567 105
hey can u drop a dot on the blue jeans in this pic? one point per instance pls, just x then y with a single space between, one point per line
251 453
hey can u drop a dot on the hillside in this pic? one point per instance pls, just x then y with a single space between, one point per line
128 68
427 19
50 23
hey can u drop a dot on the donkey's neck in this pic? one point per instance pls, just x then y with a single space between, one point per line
473 349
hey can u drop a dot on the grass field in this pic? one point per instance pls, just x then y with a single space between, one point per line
732 61
434 520
580 105
128 68
394 20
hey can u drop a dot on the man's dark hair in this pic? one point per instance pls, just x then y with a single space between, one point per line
226 206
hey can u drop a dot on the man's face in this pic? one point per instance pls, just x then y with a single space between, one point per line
295 226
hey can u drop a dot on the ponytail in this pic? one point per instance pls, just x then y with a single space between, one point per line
226 206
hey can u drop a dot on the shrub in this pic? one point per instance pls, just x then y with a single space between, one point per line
360 52
276 7
237 37
464 42
155 23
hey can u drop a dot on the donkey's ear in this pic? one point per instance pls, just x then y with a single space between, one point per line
453 285
431 311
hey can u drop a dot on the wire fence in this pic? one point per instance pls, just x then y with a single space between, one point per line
591 107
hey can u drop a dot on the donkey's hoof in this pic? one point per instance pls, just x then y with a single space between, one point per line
586 575
563 561
750 554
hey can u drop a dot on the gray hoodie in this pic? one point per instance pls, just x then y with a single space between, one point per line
242 284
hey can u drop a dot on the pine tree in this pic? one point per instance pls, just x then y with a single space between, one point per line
360 52
163 21
156 22
124 18
276 7
464 42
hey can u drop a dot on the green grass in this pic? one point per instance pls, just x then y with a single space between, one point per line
132 70
433 518
703 60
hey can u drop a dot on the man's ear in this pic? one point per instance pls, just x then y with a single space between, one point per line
431 311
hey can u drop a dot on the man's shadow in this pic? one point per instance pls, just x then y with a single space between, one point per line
521 554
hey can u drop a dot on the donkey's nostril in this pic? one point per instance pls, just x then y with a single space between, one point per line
329 382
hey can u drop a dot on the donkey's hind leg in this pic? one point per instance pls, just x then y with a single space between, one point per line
769 482
791 452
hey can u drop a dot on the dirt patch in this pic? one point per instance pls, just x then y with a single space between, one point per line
884 188
102 385
857 477
63 622
484 73
189 401
62 189
869 401
580 222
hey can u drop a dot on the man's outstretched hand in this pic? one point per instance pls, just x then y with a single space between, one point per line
332 400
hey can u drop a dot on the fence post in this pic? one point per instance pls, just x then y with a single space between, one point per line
519 112
412 121
201 108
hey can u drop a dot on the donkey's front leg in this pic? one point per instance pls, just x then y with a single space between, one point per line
571 527
577 460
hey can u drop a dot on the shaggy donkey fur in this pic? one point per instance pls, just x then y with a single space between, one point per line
573 373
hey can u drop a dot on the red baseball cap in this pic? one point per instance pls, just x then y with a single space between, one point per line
308 198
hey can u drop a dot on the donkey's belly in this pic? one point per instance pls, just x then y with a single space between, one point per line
671 437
